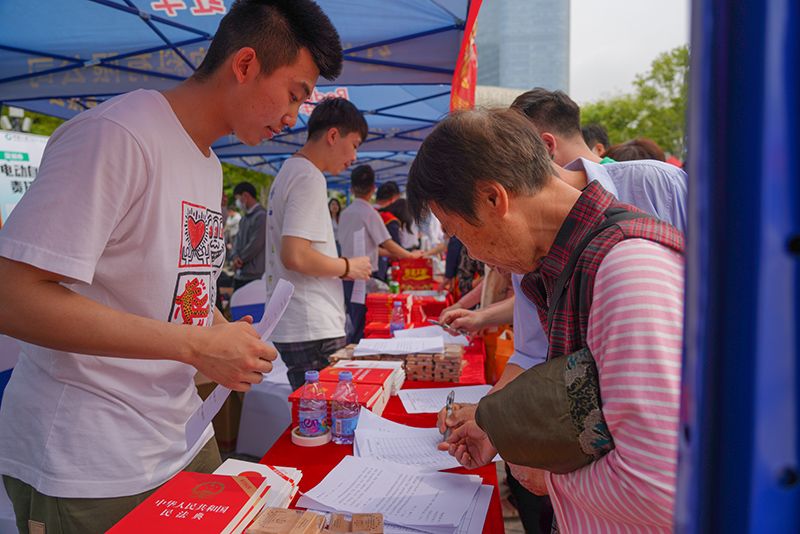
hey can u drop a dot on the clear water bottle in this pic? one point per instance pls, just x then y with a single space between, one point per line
313 409
397 320
344 410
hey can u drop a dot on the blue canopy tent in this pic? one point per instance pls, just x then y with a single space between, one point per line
64 57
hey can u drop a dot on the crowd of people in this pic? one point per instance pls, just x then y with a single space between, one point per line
113 294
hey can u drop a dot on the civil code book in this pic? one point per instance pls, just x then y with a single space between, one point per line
198 502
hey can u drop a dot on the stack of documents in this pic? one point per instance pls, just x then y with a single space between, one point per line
434 399
433 331
438 503
282 481
398 373
399 345
381 439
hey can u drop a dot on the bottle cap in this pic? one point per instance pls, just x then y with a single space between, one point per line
312 376
309 441
347 376
397 304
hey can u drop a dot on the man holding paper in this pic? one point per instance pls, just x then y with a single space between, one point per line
113 291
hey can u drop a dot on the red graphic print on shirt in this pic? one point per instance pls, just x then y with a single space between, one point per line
191 300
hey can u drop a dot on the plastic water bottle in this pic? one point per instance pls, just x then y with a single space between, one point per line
344 410
313 409
397 320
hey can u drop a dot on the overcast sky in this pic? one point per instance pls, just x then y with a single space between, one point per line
613 40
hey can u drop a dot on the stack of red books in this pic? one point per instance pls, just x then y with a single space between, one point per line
198 502
379 307
373 376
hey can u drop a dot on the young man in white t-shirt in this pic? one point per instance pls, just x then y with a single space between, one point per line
360 214
108 270
300 243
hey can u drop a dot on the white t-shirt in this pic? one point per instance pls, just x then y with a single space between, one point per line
360 214
298 206
127 207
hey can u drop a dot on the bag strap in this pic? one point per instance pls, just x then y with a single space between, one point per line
613 216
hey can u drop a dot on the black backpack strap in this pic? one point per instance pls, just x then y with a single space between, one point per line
614 216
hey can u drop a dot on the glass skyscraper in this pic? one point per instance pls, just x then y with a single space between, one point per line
524 44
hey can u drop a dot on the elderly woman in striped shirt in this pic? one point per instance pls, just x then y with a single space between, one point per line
487 177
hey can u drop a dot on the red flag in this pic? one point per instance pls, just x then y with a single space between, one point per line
465 77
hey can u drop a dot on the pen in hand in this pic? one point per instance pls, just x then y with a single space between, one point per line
450 329
449 409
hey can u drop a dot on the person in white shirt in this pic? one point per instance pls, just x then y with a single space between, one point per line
360 214
300 243
111 293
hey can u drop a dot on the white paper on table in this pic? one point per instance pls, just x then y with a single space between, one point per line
471 523
363 485
417 450
359 295
433 331
408 345
273 311
379 438
434 399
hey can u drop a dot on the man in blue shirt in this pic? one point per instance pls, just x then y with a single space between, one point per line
652 186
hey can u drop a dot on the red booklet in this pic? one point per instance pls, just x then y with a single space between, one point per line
197 502
361 375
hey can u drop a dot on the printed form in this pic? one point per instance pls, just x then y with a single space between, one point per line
435 502
434 399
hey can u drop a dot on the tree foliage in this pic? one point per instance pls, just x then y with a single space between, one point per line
656 109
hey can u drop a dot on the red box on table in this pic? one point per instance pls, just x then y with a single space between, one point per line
415 274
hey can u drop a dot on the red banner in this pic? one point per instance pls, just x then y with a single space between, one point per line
465 77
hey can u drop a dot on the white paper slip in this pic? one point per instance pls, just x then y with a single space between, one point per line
434 399
202 417
409 345
433 331
274 309
359 295
273 312
406 498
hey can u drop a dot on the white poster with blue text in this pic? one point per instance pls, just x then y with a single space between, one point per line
20 155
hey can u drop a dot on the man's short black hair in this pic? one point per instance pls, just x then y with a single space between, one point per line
387 190
550 111
245 187
595 133
473 147
362 180
276 30
337 113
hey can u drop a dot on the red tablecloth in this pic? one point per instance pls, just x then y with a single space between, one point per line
317 462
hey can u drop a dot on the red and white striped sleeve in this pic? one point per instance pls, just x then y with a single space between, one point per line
635 334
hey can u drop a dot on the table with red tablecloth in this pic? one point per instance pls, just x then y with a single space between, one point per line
317 462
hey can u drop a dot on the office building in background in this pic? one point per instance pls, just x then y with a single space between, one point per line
524 44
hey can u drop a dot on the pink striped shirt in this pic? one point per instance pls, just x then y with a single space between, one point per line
635 334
